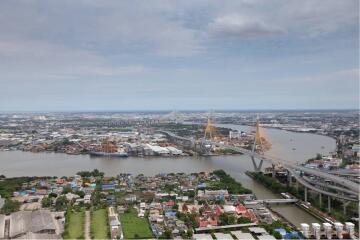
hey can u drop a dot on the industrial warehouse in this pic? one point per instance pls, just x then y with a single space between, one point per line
40 224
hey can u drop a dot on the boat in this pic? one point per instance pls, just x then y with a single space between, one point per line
109 149
106 154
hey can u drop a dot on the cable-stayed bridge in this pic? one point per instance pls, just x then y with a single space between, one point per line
321 182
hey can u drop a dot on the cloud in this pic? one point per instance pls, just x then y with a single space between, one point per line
95 46
299 19
239 26
30 58
315 18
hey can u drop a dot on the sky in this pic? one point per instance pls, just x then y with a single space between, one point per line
178 55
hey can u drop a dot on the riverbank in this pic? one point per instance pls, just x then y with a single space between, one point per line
276 187
18 163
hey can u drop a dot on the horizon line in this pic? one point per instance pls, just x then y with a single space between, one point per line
181 110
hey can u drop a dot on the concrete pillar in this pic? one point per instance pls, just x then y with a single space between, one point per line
329 204
297 186
345 204
289 178
320 200
273 171
305 190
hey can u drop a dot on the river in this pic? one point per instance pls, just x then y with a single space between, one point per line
17 163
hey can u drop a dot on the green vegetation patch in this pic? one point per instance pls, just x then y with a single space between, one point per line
74 225
133 226
270 183
270 228
99 224
10 185
227 182
10 207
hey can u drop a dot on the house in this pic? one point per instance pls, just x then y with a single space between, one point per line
108 186
207 222
130 198
143 205
170 214
87 198
229 209
2 202
121 209
70 196
240 209
110 199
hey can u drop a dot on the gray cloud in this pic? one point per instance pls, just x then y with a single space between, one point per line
176 48
238 26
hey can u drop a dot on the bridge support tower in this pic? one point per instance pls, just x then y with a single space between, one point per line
257 140
345 204
257 167
289 178
273 173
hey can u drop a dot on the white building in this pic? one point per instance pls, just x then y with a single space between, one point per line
305 229
339 227
316 230
87 198
349 226
158 150
327 230
229 209
174 151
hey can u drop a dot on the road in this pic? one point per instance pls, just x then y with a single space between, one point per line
87 225
342 183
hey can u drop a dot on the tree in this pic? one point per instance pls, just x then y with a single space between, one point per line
61 203
10 207
66 141
231 219
242 220
189 233
80 193
277 235
166 234
224 219
46 202
66 190
53 195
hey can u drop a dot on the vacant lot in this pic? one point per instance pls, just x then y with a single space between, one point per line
135 227
99 224
74 225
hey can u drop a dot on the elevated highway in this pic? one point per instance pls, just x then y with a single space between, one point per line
278 201
336 186
350 186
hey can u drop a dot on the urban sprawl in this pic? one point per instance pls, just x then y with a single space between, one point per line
200 205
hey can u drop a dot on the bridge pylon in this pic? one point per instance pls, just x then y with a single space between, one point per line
210 130
257 142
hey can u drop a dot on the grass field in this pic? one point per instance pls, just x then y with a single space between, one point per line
135 227
99 224
74 225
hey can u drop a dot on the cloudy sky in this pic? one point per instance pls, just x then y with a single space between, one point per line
173 55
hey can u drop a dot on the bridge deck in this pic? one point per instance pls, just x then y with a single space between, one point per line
349 186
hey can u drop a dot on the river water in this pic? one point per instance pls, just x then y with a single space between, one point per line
17 163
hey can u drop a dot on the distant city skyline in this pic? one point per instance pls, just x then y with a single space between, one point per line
178 55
